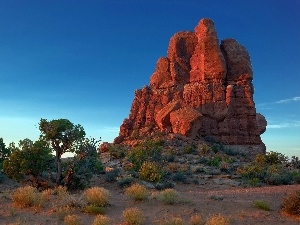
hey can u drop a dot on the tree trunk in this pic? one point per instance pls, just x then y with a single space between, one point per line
58 167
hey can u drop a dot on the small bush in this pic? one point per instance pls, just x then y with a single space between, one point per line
94 209
261 205
196 220
179 177
215 161
72 220
101 220
125 181
112 175
169 196
150 171
133 216
170 221
217 220
97 196
291 204
137 192
26 197
63 211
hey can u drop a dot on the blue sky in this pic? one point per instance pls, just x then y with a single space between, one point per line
82 60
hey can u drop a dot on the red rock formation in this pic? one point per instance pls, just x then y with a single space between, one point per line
200 89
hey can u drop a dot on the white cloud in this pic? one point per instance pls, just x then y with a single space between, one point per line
288 100
284 125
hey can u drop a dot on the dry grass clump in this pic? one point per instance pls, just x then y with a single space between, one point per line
291 204
137 192
133 216
26 197
217 220
170 221
60 191
72 220
63 211
101 220
97 196
169 196
261 205
196 220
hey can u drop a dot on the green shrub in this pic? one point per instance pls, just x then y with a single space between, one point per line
179 177
291 204
31 158
117 151
112 175
275 158
215 161
169 196
149 150
261 205
150 171
101 220
97 196
125 181
133 216
137 192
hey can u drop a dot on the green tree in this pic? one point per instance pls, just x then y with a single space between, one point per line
63 136
30 158
4 152
84 164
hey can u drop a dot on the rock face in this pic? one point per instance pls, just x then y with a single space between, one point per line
200 89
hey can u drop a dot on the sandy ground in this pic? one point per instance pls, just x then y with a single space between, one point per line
235 203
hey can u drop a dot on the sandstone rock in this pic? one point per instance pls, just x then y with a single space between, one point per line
261 123
186 121
162 118
200 89
238 61
207 62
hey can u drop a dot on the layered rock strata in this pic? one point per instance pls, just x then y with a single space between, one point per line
202 88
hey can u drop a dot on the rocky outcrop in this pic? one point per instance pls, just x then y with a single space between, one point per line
200 89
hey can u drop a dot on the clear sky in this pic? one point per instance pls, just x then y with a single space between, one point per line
83 59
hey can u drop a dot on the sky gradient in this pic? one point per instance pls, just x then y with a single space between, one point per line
82 60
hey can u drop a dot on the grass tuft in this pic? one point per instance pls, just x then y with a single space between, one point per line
137 192
133 216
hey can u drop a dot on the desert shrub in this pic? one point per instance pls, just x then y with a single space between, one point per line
117 151
291 203
215 161
196 220
170 221
169 196
137 192
60 191
111 176
63 211
72 220
275 158
101 220
26 197
253 170
30 158
190 149
279 179
259 204
217 220
163 185
204 149
230 152
97 196
94 209
179 177
150 171
295 162
133 216
125 181
149 150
